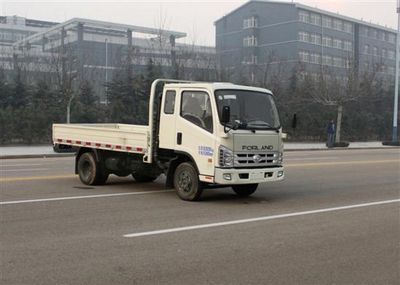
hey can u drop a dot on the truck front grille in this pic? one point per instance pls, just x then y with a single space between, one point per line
256 158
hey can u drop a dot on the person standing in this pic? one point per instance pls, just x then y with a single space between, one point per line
331 129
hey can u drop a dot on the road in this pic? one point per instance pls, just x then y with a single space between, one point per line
334 220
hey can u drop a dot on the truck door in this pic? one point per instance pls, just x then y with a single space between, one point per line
195 130
168 114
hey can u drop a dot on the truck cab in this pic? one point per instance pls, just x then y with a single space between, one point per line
244 150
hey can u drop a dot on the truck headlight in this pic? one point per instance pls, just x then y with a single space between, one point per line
225 157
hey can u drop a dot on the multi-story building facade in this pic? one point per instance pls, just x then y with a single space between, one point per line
96 50
261 36
14 29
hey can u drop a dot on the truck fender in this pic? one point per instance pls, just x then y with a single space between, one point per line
81 151
181 157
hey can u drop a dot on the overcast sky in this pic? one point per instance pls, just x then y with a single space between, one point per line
196 18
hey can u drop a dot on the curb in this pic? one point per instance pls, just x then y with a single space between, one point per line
51 155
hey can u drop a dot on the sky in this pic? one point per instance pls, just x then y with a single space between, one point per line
196 18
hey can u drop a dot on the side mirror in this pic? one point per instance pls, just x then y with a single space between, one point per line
226 115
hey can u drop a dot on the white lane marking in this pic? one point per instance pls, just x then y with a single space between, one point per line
257 219
82 197
23 169
24 164
311 158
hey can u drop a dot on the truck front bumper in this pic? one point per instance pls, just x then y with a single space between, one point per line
232 176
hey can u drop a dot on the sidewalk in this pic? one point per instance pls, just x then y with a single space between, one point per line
47 150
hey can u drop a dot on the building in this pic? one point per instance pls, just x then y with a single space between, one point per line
84 49
14 29
261 36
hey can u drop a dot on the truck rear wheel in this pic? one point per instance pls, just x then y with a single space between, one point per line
90 171
186 182
245 190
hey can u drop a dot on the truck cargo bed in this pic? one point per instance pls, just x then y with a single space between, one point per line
115 137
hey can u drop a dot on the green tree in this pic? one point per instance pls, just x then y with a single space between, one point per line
86 107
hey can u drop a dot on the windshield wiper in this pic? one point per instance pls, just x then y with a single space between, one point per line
259 123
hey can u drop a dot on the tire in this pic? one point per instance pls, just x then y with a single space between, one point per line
91 172
142 178
186 182
245 190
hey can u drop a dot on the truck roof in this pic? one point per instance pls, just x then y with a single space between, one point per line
216 86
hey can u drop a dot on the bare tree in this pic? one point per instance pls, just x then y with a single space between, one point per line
331 90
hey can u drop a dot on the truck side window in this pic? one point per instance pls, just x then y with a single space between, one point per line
169 102
196 108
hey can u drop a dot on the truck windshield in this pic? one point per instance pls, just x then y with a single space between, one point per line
249 109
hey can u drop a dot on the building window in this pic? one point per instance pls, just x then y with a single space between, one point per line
303 75
315 58
327 22
338 62
366 49
251 22
384 52
6 36
303 36
304 56
252 59
348 27
347 45
391 70
315 19
391 54
250 41
337 24
316 39
391 38
337 43
304 16
347 62
327 41
386 38
327 60
366 31
375 51
382 35
373 33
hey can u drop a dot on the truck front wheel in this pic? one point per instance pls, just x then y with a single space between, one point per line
245 189
90 171
186 182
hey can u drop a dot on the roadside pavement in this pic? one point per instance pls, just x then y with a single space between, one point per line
27 151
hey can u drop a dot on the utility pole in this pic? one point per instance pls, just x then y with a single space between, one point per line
106 71
396 84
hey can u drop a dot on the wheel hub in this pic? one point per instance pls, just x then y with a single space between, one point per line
185 181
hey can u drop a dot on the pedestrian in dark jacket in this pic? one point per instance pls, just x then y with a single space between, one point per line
331 129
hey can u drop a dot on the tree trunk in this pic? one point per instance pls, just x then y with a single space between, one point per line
338 123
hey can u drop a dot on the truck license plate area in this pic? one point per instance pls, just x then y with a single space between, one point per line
257 175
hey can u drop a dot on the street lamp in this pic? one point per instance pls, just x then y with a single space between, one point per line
396 84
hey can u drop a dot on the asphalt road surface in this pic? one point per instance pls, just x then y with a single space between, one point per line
334 220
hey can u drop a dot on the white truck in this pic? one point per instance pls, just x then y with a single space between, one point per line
200 135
